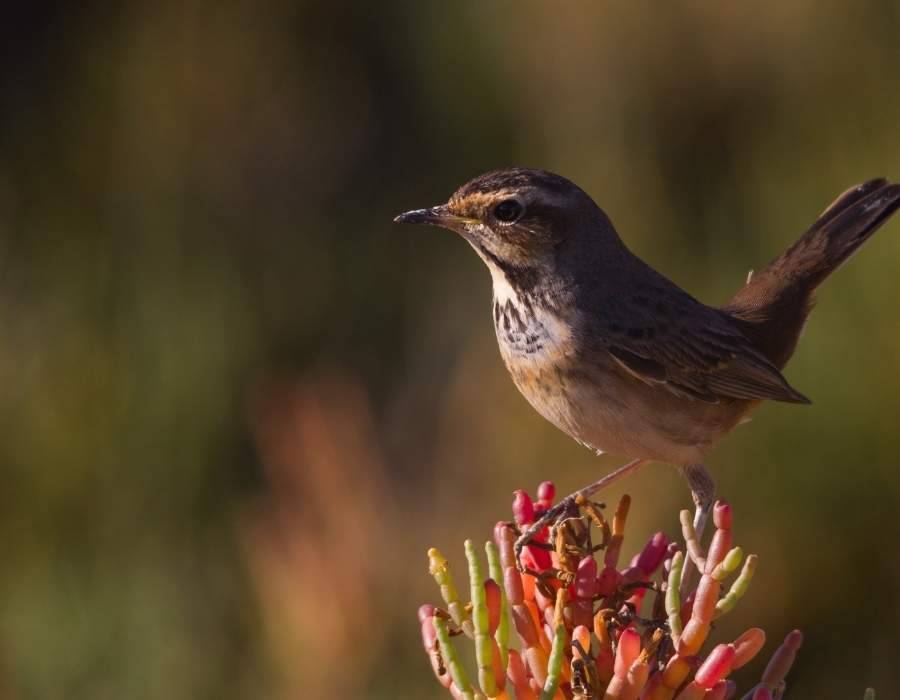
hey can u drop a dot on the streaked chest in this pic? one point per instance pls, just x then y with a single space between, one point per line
537 347
534 340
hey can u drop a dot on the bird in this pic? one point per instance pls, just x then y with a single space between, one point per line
618 356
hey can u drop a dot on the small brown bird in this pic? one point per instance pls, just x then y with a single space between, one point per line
617 355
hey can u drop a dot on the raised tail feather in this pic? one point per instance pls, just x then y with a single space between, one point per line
775 302
841 229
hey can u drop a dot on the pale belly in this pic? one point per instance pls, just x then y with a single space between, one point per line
598 405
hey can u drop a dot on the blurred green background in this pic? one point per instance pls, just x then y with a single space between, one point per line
238 403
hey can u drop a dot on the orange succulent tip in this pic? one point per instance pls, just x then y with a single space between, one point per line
621 515
722 515
628 651
748 646
582 635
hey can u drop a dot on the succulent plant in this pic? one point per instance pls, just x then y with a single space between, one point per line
587 627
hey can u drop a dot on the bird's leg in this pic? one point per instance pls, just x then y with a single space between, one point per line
570 503
703 490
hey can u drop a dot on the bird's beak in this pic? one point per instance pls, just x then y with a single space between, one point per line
434 216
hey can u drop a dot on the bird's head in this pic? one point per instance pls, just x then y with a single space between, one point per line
516 219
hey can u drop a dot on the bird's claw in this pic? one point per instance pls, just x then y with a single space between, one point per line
552 515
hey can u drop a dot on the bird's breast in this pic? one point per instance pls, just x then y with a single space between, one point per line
537 346
531 335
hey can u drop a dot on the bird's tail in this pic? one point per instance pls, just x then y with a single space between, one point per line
781 293
839 231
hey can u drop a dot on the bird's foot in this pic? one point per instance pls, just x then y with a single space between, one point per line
565 508
568 507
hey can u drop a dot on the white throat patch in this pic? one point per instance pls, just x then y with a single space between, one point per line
536 331
503 291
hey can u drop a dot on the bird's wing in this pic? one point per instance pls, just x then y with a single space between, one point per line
692 350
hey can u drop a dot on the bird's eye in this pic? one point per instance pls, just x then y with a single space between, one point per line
508 211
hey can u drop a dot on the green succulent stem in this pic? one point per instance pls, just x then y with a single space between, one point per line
440 570
451 660
673 595
738 588
483 648
554 665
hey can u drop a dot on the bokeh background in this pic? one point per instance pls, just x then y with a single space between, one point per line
237 403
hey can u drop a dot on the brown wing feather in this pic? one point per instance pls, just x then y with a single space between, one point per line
693 351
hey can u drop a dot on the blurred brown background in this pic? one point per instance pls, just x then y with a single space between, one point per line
238 403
